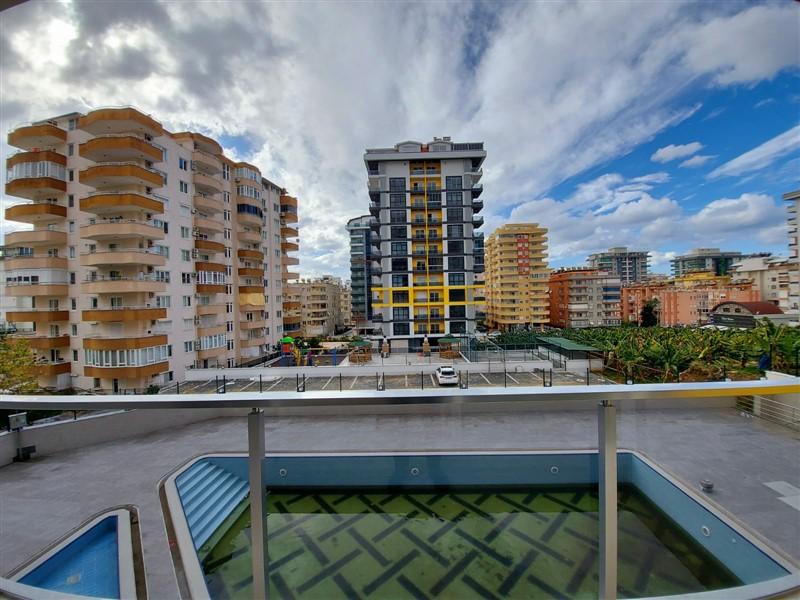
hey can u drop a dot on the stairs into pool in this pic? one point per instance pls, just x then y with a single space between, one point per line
209 493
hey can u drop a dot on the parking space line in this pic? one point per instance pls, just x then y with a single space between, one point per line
433 381
535 376
277 381
354 382
511 378
405 377
327 382
484 378
252 383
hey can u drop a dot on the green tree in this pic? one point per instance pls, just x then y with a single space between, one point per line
649 315
17 374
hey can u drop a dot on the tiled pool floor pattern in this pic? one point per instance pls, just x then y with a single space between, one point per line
458 545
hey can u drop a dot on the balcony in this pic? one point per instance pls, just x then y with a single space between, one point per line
289 232
210 288
251 289
124 343
250 272
121 174
477 190
253 341
250 219
122 256
47 368
211 353
251 254
206 329
208 204
114 203
120 148
126 372
37 289
287 246
477 206
36 237
208 225
35 262
254 324
121 229
206 162
209 246
477 221
120 120
104 284
35 188
206 184
124 314
43 135
41 341
37 315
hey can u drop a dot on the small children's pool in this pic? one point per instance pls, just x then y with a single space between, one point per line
461 527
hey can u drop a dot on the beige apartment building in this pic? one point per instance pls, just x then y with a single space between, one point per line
516 278
771 276
147 252
793 198
320 299
291 312
346 307
584 297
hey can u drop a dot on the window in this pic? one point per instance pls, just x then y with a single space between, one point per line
163 301
71 175
400 328
458 312
188 346
72 277
184 187
399 248
400 314
457 296
455 231
186 255
226 215
71 200
72 226
399 264
397 184
455 278
162 276
72 251
455 214
187 300
455 263
185 232
400 297
227 252
399 280
186 278
73 304
227 234
397 200
453 182
75 356
397 216
226 171
73 329
183 164
71 125
399 232
230 347
458 327
455 247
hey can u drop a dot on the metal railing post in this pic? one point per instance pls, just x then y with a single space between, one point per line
178 387
224 384
421 380
340 382
607 478
260 384
255 456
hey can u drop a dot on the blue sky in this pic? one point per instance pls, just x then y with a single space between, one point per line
589 111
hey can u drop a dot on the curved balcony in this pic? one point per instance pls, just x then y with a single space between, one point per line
37 315
255 341
255 324
291 275
288 201
289 232
253 237
43 135
208 204
43 212
199 142
209 266
248 219
37 289
119 120
36 156
287 246
212 329
206 162
114 203
211 353
289 260
121 230
210 309
210 288
209 225
124 343
250 272
120 148
122 256
124 313
119 174
122 285
50 369
126 372
287 217
254 254
33 188
206 184
251 289
36 237
37 341
291 304
35 262
292 319
209 246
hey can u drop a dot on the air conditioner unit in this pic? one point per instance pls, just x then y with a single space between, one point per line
195 254
197 345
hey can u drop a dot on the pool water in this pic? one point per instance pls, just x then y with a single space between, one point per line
457 544
87 566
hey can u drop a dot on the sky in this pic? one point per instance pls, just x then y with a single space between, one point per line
662 126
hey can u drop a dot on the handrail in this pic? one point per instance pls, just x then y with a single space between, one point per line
590 395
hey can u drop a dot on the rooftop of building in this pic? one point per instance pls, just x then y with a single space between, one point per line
754 308
438 148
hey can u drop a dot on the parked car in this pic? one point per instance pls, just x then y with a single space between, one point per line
446 376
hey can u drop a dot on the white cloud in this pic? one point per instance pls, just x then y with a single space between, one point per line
761 156
697 161
672 152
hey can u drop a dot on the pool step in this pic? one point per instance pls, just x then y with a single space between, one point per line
209 494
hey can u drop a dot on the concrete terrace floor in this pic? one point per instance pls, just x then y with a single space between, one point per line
45 498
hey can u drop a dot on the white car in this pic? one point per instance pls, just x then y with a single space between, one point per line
446 376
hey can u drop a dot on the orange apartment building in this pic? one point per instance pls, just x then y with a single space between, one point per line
686 300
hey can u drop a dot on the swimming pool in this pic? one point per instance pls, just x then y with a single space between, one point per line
516 525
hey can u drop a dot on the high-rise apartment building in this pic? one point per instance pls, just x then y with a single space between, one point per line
346 306
685 300
292 302
704 260
516 276
770 276
361 242
628 265
149 252
425 200
793 198
320 300
584 297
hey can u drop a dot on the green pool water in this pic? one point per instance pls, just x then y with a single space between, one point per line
537 543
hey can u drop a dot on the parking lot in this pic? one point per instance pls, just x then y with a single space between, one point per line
343 382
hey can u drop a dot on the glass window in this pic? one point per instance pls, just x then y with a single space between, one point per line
455 231
400 328
455 263
399 280
458 327
397 216
455 214
455 247
397 200
399 248
397 184
455 279
453 182
399 232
